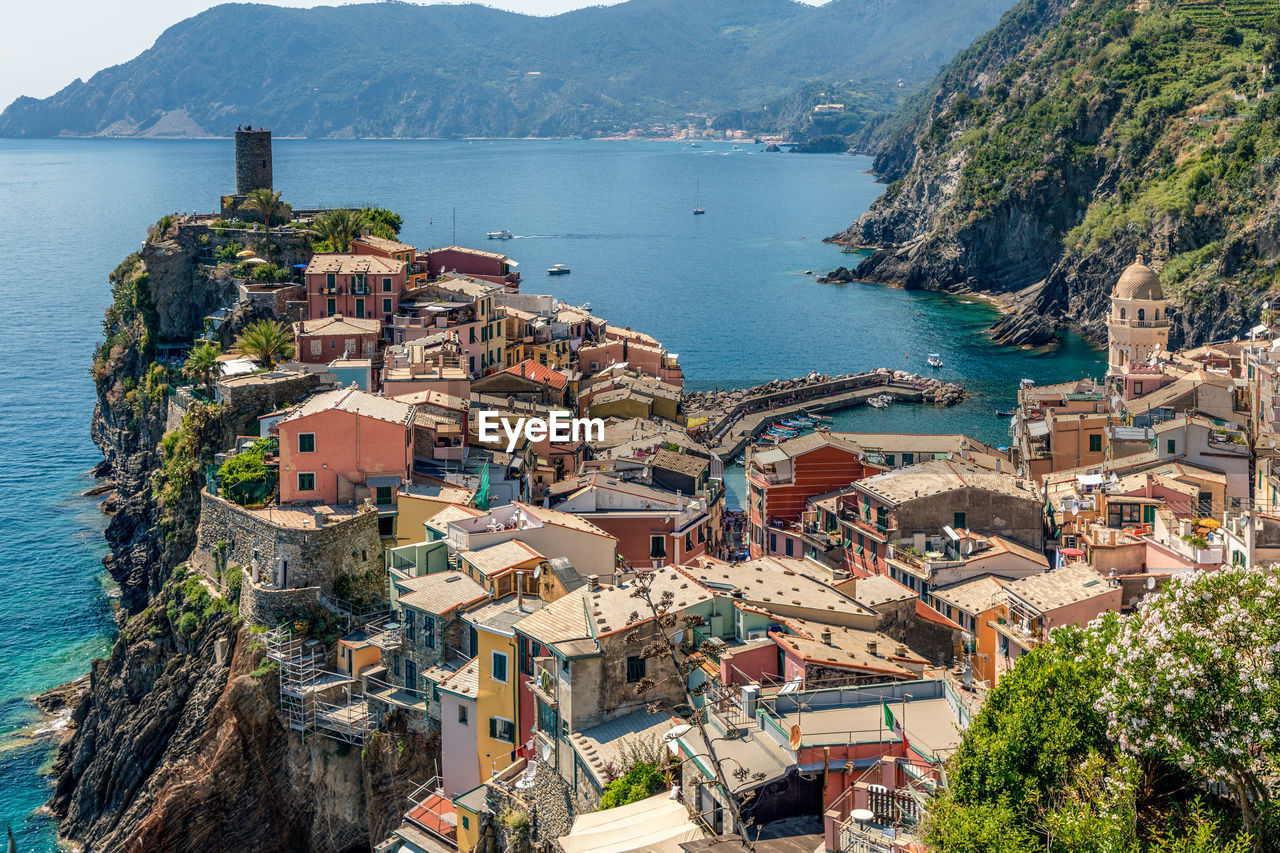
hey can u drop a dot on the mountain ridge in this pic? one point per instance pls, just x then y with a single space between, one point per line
1094 132
402 70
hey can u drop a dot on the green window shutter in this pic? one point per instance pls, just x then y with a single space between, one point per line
493 727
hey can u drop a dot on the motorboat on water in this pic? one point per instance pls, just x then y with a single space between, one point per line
934 360
880 402
558 269
1006 414
1026 383
498 235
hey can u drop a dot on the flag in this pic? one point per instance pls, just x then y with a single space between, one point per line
892 724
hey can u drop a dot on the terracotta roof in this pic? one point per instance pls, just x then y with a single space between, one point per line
343 264
939 476
479 253
338 324
682 463
505 613
538 372
562 519
383 244
356 402
438 490
440 592
774 580
1060 587
465 682
497 559
850 648
972 596
875 590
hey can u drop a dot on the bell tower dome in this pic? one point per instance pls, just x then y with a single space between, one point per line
1137 327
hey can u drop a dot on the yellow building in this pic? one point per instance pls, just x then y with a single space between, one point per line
499 731
418 503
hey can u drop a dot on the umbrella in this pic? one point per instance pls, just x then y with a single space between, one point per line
253 262
247 253
1071 552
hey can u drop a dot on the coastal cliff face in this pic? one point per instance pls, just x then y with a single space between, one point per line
1072 137
177 743
178 747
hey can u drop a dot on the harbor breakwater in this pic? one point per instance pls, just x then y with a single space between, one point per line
735 416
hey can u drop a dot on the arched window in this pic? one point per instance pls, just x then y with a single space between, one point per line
1142 314
1156 314
1122 313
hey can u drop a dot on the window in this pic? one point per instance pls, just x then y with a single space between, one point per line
331 307
790 546
1137 388
888 459
410 625
502 729
472 330
688 542
498 666
546 718
466 821
1120 514
383 496
773 543
306 442
410 675
882 518
1142 314
317 347
657 546
386 285
386 306
1171 445
306 481
428 631
330 281
908 458
360 308
395 665
958 521
635 669
462 714
1095 443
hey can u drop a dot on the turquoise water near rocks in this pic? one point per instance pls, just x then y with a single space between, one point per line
727 291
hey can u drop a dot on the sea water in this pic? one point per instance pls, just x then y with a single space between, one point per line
730 292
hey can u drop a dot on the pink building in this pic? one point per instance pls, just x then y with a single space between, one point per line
321 341
359 286
493 267
343 446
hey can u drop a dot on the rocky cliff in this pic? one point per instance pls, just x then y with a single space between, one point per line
177 743
178 746
1070 138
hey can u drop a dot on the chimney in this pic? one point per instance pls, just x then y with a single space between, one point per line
825 636
593 582
999 465
871 647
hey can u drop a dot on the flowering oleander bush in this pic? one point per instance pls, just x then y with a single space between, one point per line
1196 680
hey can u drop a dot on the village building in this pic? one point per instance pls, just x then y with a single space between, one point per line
358 286
336 337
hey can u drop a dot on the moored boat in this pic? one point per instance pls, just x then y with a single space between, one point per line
557 269
934 360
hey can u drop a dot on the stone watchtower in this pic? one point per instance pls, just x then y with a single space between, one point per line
253 161
1138 325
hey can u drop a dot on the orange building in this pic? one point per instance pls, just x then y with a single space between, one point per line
342 446
780 481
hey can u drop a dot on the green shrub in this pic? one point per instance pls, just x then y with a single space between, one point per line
641 781
234 578
227 252
188 624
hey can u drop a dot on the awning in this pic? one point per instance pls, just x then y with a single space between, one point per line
655 825
1038 428
512 263
382 480
1090 479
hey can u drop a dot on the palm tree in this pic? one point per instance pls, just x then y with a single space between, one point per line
202 363
338 227
267 342
266 204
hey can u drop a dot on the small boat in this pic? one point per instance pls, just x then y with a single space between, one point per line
498 235
849 250
697 200
1026 383
1008 414
557 269
934 360
880 402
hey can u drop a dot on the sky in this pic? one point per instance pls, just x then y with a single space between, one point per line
45 44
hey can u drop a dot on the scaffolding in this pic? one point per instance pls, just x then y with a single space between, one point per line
303 681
